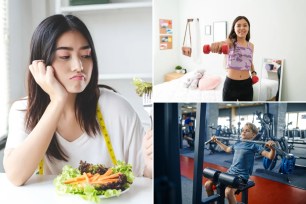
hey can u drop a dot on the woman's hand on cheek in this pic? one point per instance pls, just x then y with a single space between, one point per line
147 147
45 78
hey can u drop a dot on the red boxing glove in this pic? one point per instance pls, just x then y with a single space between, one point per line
255 79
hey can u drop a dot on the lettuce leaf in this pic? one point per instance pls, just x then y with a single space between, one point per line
126 169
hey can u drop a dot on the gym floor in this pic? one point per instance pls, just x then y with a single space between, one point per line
265 190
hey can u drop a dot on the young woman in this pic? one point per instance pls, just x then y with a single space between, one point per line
57 121
243 160
238 83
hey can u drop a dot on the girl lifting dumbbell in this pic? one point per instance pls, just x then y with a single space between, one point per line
238 83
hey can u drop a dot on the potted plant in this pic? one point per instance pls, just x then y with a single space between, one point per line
178 69
142 87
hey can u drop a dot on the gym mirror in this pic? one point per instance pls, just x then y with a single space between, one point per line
271 80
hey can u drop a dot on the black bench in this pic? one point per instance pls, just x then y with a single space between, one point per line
224 180
244 191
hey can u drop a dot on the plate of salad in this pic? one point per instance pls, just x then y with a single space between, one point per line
94 181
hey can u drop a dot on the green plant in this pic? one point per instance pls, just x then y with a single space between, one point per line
142 87
178 67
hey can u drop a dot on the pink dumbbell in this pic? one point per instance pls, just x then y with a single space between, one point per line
224 49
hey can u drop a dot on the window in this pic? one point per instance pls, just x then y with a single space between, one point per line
302 120
298 120
224 121
293 119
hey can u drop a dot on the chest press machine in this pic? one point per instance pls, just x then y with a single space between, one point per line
222 180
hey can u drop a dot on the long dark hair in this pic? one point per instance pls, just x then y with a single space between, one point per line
232 36
43 46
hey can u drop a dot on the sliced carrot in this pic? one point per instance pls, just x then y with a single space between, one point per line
95 177
86 177
77 182
69 181
105 181
116 175
80 178
111 180
108 172
107 177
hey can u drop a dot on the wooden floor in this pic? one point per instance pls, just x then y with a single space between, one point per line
264 192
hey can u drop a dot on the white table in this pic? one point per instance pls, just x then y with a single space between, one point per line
40 189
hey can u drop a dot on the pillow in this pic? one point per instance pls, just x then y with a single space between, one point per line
209 82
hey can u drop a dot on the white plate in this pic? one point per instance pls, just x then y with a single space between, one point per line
122 192
77 196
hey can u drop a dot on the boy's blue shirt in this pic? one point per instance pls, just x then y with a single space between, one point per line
243 161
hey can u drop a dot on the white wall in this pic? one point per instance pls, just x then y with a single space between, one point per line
122 40
278 30
24 16
165 60
20 24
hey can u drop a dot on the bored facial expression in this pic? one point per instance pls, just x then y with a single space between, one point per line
72 62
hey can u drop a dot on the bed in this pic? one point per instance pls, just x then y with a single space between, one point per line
268 89
175 91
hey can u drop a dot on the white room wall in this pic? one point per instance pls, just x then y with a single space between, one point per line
24 16
122 40
20 24
278 30
165 60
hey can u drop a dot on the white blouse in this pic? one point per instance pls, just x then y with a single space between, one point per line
122 123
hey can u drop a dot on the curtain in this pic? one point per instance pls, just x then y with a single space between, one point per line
4 67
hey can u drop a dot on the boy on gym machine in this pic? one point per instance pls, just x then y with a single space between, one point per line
243 160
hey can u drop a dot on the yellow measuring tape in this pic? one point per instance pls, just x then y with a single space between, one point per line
105 136
41 167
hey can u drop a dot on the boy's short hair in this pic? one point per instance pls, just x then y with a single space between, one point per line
252 127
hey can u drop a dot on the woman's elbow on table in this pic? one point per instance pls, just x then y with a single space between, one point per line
17 181
14 175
